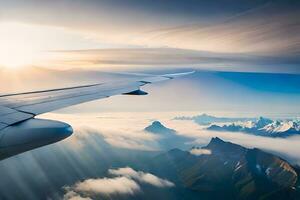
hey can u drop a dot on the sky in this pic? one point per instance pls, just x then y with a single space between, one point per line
246 52
259 35
242 93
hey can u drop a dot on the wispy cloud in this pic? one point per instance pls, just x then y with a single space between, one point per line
154 57
252 27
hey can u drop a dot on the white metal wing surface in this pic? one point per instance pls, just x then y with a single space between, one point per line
18 107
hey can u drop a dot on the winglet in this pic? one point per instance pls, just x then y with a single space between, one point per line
164 77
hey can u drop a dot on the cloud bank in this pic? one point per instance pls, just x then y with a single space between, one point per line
128 126
126 134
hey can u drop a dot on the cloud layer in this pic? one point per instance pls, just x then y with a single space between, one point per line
70 162
131 124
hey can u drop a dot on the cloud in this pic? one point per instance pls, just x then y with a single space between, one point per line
122 130
127 133
198 152
129 142
288 148
257 31
101 186
71 195
142 177
244 27
153 57
126 182
119 185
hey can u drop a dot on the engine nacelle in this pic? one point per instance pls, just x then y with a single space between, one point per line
31 134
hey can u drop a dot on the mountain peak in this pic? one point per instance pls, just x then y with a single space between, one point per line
158 127
216 140
157 123
218 145
262 122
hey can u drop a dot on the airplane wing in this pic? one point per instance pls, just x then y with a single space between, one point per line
18 107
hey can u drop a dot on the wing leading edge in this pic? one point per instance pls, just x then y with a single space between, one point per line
18 107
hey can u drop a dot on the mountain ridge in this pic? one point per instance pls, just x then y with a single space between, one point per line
231 171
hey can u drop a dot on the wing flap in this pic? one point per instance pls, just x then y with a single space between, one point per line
5 110
10 116
15 117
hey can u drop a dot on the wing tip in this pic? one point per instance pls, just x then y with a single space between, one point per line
175 75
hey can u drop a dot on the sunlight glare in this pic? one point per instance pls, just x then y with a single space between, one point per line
17 47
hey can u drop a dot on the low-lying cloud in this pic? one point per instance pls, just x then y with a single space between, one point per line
141 177
126 181
126 133
71 195
198 152
120 185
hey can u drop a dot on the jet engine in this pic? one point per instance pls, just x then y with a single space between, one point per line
31 134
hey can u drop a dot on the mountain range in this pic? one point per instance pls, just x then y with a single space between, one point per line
262 127
257 126
219 170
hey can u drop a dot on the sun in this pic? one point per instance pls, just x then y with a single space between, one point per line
16 56
17 47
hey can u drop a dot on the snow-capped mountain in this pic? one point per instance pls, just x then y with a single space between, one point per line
292 127
262 126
